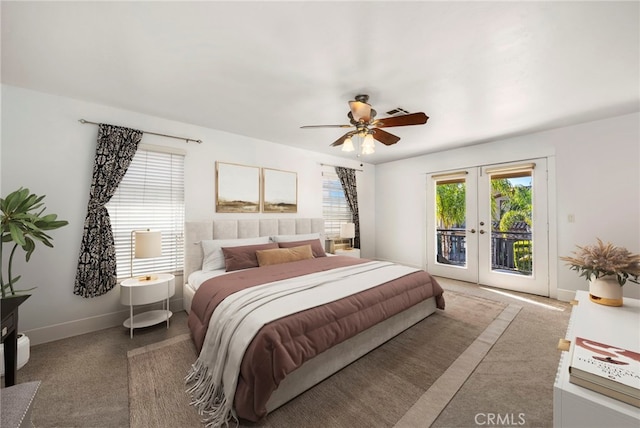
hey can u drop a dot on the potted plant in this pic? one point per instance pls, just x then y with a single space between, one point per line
607 268
23 226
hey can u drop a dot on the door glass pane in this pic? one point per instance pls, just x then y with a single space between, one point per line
511 225
450 222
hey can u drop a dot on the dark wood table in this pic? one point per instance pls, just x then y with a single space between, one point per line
10 337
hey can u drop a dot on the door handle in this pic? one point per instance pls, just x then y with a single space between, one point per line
481 232
472 230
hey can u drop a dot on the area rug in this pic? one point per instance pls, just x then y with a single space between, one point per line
384 388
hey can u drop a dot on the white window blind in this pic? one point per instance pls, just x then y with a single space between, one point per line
335 209
150 196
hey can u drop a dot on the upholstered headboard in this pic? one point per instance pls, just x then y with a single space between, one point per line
241 228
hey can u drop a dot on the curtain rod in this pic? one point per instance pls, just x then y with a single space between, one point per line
152 133
326 164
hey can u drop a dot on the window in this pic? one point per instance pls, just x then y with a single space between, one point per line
150 196
335 208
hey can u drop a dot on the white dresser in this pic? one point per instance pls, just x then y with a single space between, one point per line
575 406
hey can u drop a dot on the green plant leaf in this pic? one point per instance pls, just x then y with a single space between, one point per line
51 224
42 237
26 223
29 248
16 234
11 201
26 203
48 218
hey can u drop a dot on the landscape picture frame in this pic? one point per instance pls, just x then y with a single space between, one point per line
237 188
279 191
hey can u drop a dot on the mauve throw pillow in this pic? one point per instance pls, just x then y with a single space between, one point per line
316 246
244 257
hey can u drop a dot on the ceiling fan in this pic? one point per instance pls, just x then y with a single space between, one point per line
362 118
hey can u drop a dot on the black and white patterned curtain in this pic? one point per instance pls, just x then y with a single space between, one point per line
96 273
347 178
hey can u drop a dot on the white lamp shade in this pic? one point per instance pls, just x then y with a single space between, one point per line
347 230
347 146
368 150
368 147
148 244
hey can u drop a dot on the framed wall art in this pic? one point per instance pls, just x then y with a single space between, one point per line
237 188
279 191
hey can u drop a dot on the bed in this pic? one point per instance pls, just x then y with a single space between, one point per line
291 337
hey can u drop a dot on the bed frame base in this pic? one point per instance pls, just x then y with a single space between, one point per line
334 359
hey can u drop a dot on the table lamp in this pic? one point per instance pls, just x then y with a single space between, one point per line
145 244
348 231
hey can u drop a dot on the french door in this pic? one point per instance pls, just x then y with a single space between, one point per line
488 225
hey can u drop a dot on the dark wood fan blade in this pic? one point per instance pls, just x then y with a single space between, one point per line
340 140
327 126
360 111
384 137
404 120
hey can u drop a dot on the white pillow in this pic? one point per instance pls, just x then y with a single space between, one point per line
213 258
293 238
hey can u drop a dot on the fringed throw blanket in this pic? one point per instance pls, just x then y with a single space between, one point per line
240 317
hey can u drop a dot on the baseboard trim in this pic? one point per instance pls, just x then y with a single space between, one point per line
67 329
566 295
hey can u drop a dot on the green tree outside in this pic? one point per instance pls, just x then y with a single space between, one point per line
451 205
516 205
509 204
451 211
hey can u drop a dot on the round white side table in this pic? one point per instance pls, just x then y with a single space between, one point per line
134 291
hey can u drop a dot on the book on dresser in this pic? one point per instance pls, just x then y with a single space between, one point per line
606 369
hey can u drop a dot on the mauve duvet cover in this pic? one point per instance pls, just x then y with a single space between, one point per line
285 344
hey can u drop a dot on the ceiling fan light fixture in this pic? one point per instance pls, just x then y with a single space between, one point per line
368 150
361 117
360 109
347 146
368 140
368 146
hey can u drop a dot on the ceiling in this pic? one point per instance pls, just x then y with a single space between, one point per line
480 70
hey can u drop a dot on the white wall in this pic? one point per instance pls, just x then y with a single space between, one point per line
46 149
594 175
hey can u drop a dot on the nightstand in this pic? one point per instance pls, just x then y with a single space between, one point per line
353 252
136 292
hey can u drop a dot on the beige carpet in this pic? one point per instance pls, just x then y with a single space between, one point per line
157 395
390 385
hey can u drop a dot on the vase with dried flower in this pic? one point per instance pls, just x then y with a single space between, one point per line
607 268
